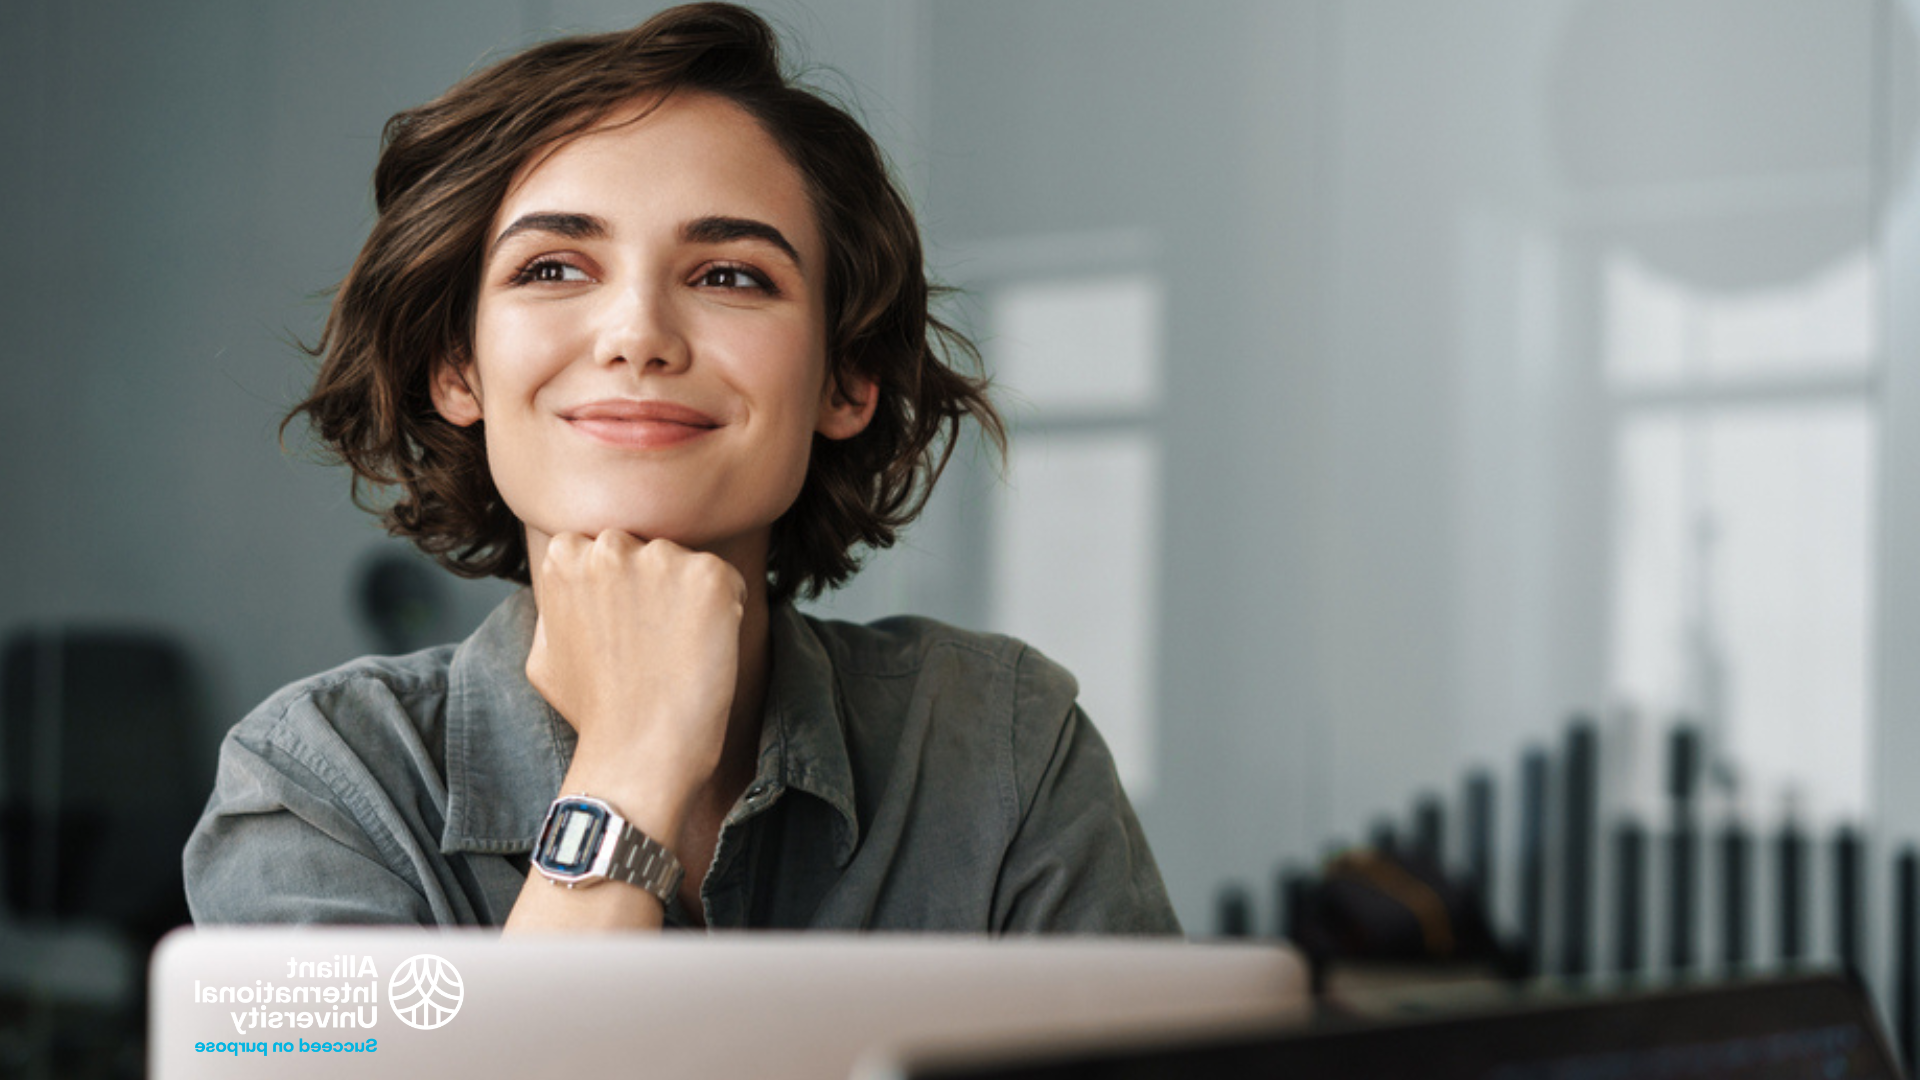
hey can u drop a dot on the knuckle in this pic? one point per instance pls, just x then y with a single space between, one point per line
717 575
562 550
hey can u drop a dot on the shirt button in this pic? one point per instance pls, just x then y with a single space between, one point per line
756 792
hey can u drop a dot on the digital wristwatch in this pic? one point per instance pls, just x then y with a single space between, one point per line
585 841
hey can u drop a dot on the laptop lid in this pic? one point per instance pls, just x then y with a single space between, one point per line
1815 1026
390 1002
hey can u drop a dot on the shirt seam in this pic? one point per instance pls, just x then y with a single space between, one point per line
356 803
467 710
997 655
1009 772
407 683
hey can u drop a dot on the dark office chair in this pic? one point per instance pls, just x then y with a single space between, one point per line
99 787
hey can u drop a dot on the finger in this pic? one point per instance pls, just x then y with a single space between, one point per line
571 546
612 549
619 540
662 548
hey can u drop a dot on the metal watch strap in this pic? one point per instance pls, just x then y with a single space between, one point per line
639 859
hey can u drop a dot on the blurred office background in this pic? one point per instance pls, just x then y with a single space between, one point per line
1391 379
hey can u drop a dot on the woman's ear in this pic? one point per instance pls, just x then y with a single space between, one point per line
847 407
456 392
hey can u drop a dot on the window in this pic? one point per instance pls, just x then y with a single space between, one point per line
1744 467
1074 536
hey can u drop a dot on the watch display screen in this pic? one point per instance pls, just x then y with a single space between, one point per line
572 838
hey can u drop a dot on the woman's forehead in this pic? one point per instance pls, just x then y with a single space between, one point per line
690 153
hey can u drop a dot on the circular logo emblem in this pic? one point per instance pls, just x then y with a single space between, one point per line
425 992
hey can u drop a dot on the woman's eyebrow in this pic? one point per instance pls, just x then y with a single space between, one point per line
718 230
570 226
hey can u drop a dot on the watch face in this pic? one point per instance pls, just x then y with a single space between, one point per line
572 837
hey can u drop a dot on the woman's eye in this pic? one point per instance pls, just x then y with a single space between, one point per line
543 271
733 277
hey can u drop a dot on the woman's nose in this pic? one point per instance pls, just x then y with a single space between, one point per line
641 328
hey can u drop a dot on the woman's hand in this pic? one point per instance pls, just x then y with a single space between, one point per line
638 647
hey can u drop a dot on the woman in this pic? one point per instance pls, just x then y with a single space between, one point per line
644 327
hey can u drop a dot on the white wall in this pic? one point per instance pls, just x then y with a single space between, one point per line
185 183
1390 518
1197 128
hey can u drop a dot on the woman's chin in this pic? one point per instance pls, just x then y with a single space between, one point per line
644 531
689 535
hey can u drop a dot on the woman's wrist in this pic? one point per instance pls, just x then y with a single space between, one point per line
653 800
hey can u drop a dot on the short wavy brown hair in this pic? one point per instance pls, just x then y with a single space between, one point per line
408 304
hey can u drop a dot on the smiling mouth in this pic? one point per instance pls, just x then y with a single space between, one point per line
640 425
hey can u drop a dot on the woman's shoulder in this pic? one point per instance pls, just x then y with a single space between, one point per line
906 645
363 701
881 666
330 802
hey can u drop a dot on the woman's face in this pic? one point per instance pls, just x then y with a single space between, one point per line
649 352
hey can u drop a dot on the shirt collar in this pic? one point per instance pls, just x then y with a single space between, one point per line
508 750
803 743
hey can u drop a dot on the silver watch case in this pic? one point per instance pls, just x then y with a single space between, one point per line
621 852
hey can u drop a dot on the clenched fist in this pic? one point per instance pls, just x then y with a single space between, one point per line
638 647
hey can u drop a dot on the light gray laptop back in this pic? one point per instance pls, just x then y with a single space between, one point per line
378 1003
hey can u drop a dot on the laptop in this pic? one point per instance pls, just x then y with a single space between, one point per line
1812 1026
380 1003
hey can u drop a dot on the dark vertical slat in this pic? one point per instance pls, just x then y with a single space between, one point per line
1906 982
1630 897
1683 763
1683 770
1790 862
1533 857
1846 896
1576 900
1233 912
1430 830
1734 858
1301 890
1282 902
1682 848
1294 889
1479 832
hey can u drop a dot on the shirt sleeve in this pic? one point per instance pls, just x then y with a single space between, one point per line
286 838
1078 861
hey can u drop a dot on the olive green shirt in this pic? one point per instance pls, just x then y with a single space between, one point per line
912 776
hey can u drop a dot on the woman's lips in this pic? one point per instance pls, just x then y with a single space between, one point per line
640 425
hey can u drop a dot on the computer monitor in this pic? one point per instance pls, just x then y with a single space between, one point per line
1817 1026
